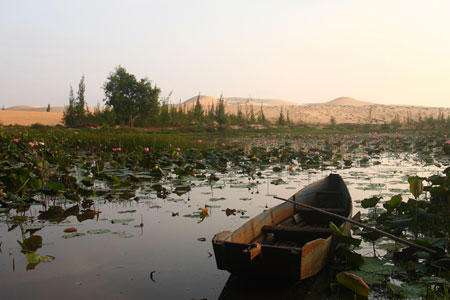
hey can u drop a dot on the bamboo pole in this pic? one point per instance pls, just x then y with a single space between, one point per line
384 233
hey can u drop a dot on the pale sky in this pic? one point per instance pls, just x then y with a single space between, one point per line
391 52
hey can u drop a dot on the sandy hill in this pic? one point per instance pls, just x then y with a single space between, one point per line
347 101
231 101
342 109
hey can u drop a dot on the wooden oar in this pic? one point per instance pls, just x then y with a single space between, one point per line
384 233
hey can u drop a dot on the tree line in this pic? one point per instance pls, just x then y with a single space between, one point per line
134 102
137 103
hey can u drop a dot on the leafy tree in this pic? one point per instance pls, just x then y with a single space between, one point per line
281 121
252 118
198 112
75 115
288 120
239 115
261 117
131 100
211 113
70 118
221 116
165 116
80 106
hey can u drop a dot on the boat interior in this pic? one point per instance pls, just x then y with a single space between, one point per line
286 226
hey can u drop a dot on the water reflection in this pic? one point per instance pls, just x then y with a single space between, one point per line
316 288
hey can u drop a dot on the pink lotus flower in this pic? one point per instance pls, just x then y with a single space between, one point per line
147 149
116 149
35 144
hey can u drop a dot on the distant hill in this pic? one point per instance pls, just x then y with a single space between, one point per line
347 101
342 109
208 101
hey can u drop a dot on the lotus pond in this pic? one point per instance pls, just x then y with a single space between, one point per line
105 214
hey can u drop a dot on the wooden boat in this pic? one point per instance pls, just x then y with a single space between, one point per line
286 242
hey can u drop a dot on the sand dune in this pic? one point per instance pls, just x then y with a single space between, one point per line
342 109
26 118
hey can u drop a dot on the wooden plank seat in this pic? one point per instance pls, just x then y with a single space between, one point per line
294 233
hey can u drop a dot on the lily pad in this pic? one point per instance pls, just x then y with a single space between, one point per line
98 231
123 234
124 221
126 211
73 234
33 259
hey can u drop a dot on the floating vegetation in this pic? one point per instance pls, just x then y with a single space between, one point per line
403 269
73 234
123 221
98 231
123 234
215 199
130 211
72 179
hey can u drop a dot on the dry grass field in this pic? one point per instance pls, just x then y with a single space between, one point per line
26 118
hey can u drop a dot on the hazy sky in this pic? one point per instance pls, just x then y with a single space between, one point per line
304 50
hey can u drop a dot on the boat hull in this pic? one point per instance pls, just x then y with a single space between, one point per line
241 254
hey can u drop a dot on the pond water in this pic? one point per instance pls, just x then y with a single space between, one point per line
169 257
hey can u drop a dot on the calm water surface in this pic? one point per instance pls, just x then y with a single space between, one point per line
167 257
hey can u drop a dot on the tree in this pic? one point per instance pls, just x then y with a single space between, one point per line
239 115
252 118
281 121
261 117
288 120
198 112
81 101
48 108
165 113
75 114
221 117
131 100
69 117
211 113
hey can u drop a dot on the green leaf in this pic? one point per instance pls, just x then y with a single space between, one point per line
374 271
342 237
33 259
31 244
415 185
370 202
393 203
